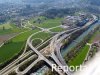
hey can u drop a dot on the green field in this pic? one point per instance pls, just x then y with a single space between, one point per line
10 28
6 26
36 42
14 46
13 30
34 19
42 35
49 23
58 29
78 60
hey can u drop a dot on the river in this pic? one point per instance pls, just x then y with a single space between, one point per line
79 39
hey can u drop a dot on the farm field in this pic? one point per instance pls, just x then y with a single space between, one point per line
14 46
9 28
5 25
48 23
10 31
78 60
58 29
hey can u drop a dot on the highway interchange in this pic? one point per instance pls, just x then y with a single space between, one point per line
53 51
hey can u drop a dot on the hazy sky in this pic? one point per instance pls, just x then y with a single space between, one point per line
2 1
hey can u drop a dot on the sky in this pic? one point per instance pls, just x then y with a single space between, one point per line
2 1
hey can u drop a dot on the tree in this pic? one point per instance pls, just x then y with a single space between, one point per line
3 28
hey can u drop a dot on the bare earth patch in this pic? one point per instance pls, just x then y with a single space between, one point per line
97 38
6 37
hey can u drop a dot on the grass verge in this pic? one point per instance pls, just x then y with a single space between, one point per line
58 29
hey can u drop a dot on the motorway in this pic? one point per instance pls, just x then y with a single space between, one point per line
6 70
52 54
40 57
55 53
